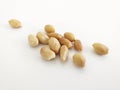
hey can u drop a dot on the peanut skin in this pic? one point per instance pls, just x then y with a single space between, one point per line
78 45
66 42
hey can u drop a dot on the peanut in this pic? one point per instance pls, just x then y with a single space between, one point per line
49 29
56 35
78 45
33 41
64 52
14 23
54 44
79 60
47 54
69 36
66 42
100 49
42 37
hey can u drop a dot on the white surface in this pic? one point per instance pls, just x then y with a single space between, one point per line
21 67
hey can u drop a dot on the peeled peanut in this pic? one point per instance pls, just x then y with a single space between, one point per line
33 41
14 23
78 45
70 36
42 37
64 52
54 44
79 60
66 42
100 49
56 35
47 54
49 29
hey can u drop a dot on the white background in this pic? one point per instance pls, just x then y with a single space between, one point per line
22 68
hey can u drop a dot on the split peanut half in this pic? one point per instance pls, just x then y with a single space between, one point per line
64 52
54 44
47 54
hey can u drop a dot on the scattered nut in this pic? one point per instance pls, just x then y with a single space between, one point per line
79 60
66 42
59 44
100 49
70 36
49 29
33 41
78 45
14 23
54 44
64 52
47 54
42 37
56 35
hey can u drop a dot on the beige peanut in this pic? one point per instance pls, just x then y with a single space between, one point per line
78 45
66 42
47 54
100 48
54 44
42 37
79 60
14 23
33 40
64 52
49 28
56 35
70 36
